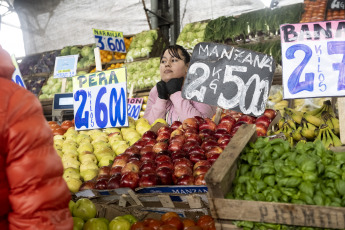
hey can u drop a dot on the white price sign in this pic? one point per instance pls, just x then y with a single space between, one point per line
17 76
65 66
100 100
313 58
134 107
110 40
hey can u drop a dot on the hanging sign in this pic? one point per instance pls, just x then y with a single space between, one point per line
229 77
17 76
110 40
66 66
313 57
134 107
336 4
100 99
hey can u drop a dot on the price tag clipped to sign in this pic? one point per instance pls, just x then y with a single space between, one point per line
313 56
134 107
229 77
100 99
17 76
110 40
65 66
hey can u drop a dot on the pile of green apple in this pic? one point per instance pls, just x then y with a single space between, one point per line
142 44
84 217
84 152
143 74
53 86
192 34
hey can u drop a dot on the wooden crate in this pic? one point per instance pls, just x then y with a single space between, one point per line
219 180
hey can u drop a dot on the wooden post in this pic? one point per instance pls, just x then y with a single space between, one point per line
341 113
63 86
98 59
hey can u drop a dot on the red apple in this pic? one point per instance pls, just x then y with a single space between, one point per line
163 137
101 183
195 157
104 170
236 127
185 180
122 156
224 126
189 131
90 184
201 170
210 139
208 124
213 158
175 125
261 130
177 132
223 144
199 119
148 135
119 162
206 133
160 146
225 138
130 180
134 161
178 138
194 137
130 167
148 180
145 149
132 150
247 119
227 119
266 121
149 156
201 163
164 175
180 170
114 181
196 149
148 165
190 123
220 132
134 157
164 152
271 113
115 170
175 146
188 145
208 144
165 164
150 142
164 129
183 162
200 180
213 150
139 144
178 155
162 158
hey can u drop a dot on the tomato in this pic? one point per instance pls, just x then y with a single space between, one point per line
205 222
52 122
193 228
58 131
54 126
155 224
188 223
175 221
66 125
168 215
138 226
167 227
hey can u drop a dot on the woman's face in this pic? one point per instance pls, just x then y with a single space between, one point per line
172 67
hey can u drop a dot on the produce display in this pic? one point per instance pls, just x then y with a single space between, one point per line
143 107
60 129
318 124
335 15
40 63
53 86
274 171
143 74
192 34
141 45
84 152
314 11
34 84
87 57
180 154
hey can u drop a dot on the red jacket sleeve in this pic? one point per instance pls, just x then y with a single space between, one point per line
38 194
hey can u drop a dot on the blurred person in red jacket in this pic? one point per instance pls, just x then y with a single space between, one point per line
33 194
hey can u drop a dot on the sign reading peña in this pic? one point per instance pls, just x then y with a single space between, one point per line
229 77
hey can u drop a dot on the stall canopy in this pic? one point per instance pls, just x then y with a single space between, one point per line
52 24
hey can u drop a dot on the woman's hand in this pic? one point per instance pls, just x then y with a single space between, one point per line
174 85
162 90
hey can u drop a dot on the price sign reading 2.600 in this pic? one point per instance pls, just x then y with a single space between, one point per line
313 56
110 40
102 102
229 77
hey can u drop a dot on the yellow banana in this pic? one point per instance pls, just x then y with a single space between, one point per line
328 141
295 115
291 123
335 139
313 119
276 97
281 122
296 134
335 123
308 133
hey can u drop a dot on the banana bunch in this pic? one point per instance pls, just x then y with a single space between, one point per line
319 124
277 97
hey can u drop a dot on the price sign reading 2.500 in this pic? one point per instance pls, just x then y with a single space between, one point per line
313 57
110 40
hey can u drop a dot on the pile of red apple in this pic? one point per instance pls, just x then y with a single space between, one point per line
180 154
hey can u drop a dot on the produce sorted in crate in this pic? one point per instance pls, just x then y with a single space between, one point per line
141 45
53 86
314 11
114 66
192 34
34 85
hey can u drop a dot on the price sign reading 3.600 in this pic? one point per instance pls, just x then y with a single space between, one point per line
110 40
313 57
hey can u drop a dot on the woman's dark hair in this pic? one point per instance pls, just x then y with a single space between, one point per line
173 51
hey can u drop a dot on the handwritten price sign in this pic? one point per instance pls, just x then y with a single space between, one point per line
313 57
229 77
100 100
65 66
110 40
134 107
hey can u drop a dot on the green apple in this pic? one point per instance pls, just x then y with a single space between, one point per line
105 220
88 165
95 224
73 184
88 157
84 209
71 173
71 205
105 161
89 174
78 223
119 224
130 218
